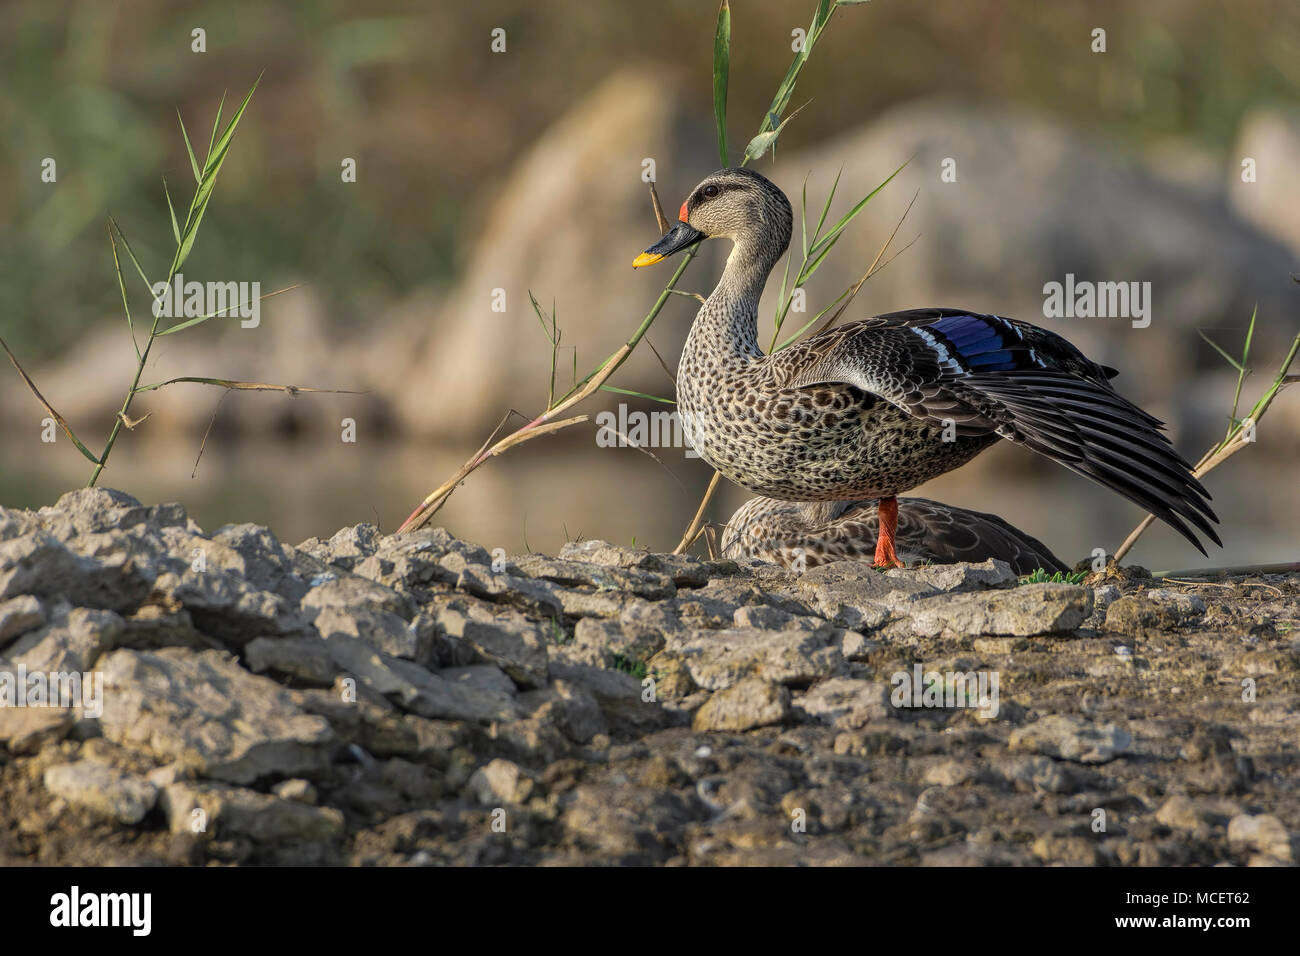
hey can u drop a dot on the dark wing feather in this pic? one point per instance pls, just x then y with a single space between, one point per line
956 534
985 373
778 530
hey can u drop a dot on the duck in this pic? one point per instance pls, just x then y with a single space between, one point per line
874 407
805 534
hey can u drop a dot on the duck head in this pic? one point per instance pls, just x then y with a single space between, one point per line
735 203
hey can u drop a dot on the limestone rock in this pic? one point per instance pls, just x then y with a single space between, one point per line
749 703
1070 738
500 781
1023 611
18 615
1262 832
415 689
207 712
718 659
847 703
101 789
222 812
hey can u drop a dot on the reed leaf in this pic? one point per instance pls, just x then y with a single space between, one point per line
62 422
216 123
648 397
761 143
176 229
825 8
194 163
1241 372
207 182
134 261
199 320
721 69
849 216
244 386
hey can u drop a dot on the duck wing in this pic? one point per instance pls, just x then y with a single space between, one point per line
956 534
940 533
778 530
986 373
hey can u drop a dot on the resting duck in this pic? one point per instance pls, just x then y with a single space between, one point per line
930 532
872 408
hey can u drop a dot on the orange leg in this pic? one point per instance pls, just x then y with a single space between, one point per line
887 509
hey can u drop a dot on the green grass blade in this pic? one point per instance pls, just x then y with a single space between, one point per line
189 323
823 251
62 422
215 125
244 386
830 197
809 324
176 229
198 320
191 233
786 90
134 261
1241 371
772 118
721 69
555 352
121 284
194 163
1226 357
1250 335
628 391
207 182
224 142
803 216
783 302
537 308
552 336
849 216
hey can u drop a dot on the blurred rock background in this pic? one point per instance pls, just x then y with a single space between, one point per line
522 171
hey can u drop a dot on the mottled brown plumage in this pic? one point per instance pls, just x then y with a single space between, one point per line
873 408
806 534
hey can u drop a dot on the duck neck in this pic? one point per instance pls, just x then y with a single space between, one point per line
727 323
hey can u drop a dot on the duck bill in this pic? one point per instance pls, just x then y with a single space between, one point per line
675 239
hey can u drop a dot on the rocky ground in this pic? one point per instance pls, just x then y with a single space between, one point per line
417 700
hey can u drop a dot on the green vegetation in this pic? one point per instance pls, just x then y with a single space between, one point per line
769 130
628 665
392 84
1040 576
1241 430
205 178
559 634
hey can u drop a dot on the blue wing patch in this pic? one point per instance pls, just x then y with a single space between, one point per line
979 343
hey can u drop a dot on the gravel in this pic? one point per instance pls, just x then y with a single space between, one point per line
371 699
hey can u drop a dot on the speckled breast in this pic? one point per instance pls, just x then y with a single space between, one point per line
820 443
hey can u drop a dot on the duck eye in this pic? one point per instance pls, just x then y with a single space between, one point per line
710 191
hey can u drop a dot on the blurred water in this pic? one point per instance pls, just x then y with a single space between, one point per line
555 489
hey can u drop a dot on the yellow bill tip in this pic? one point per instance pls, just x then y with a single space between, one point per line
645 259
